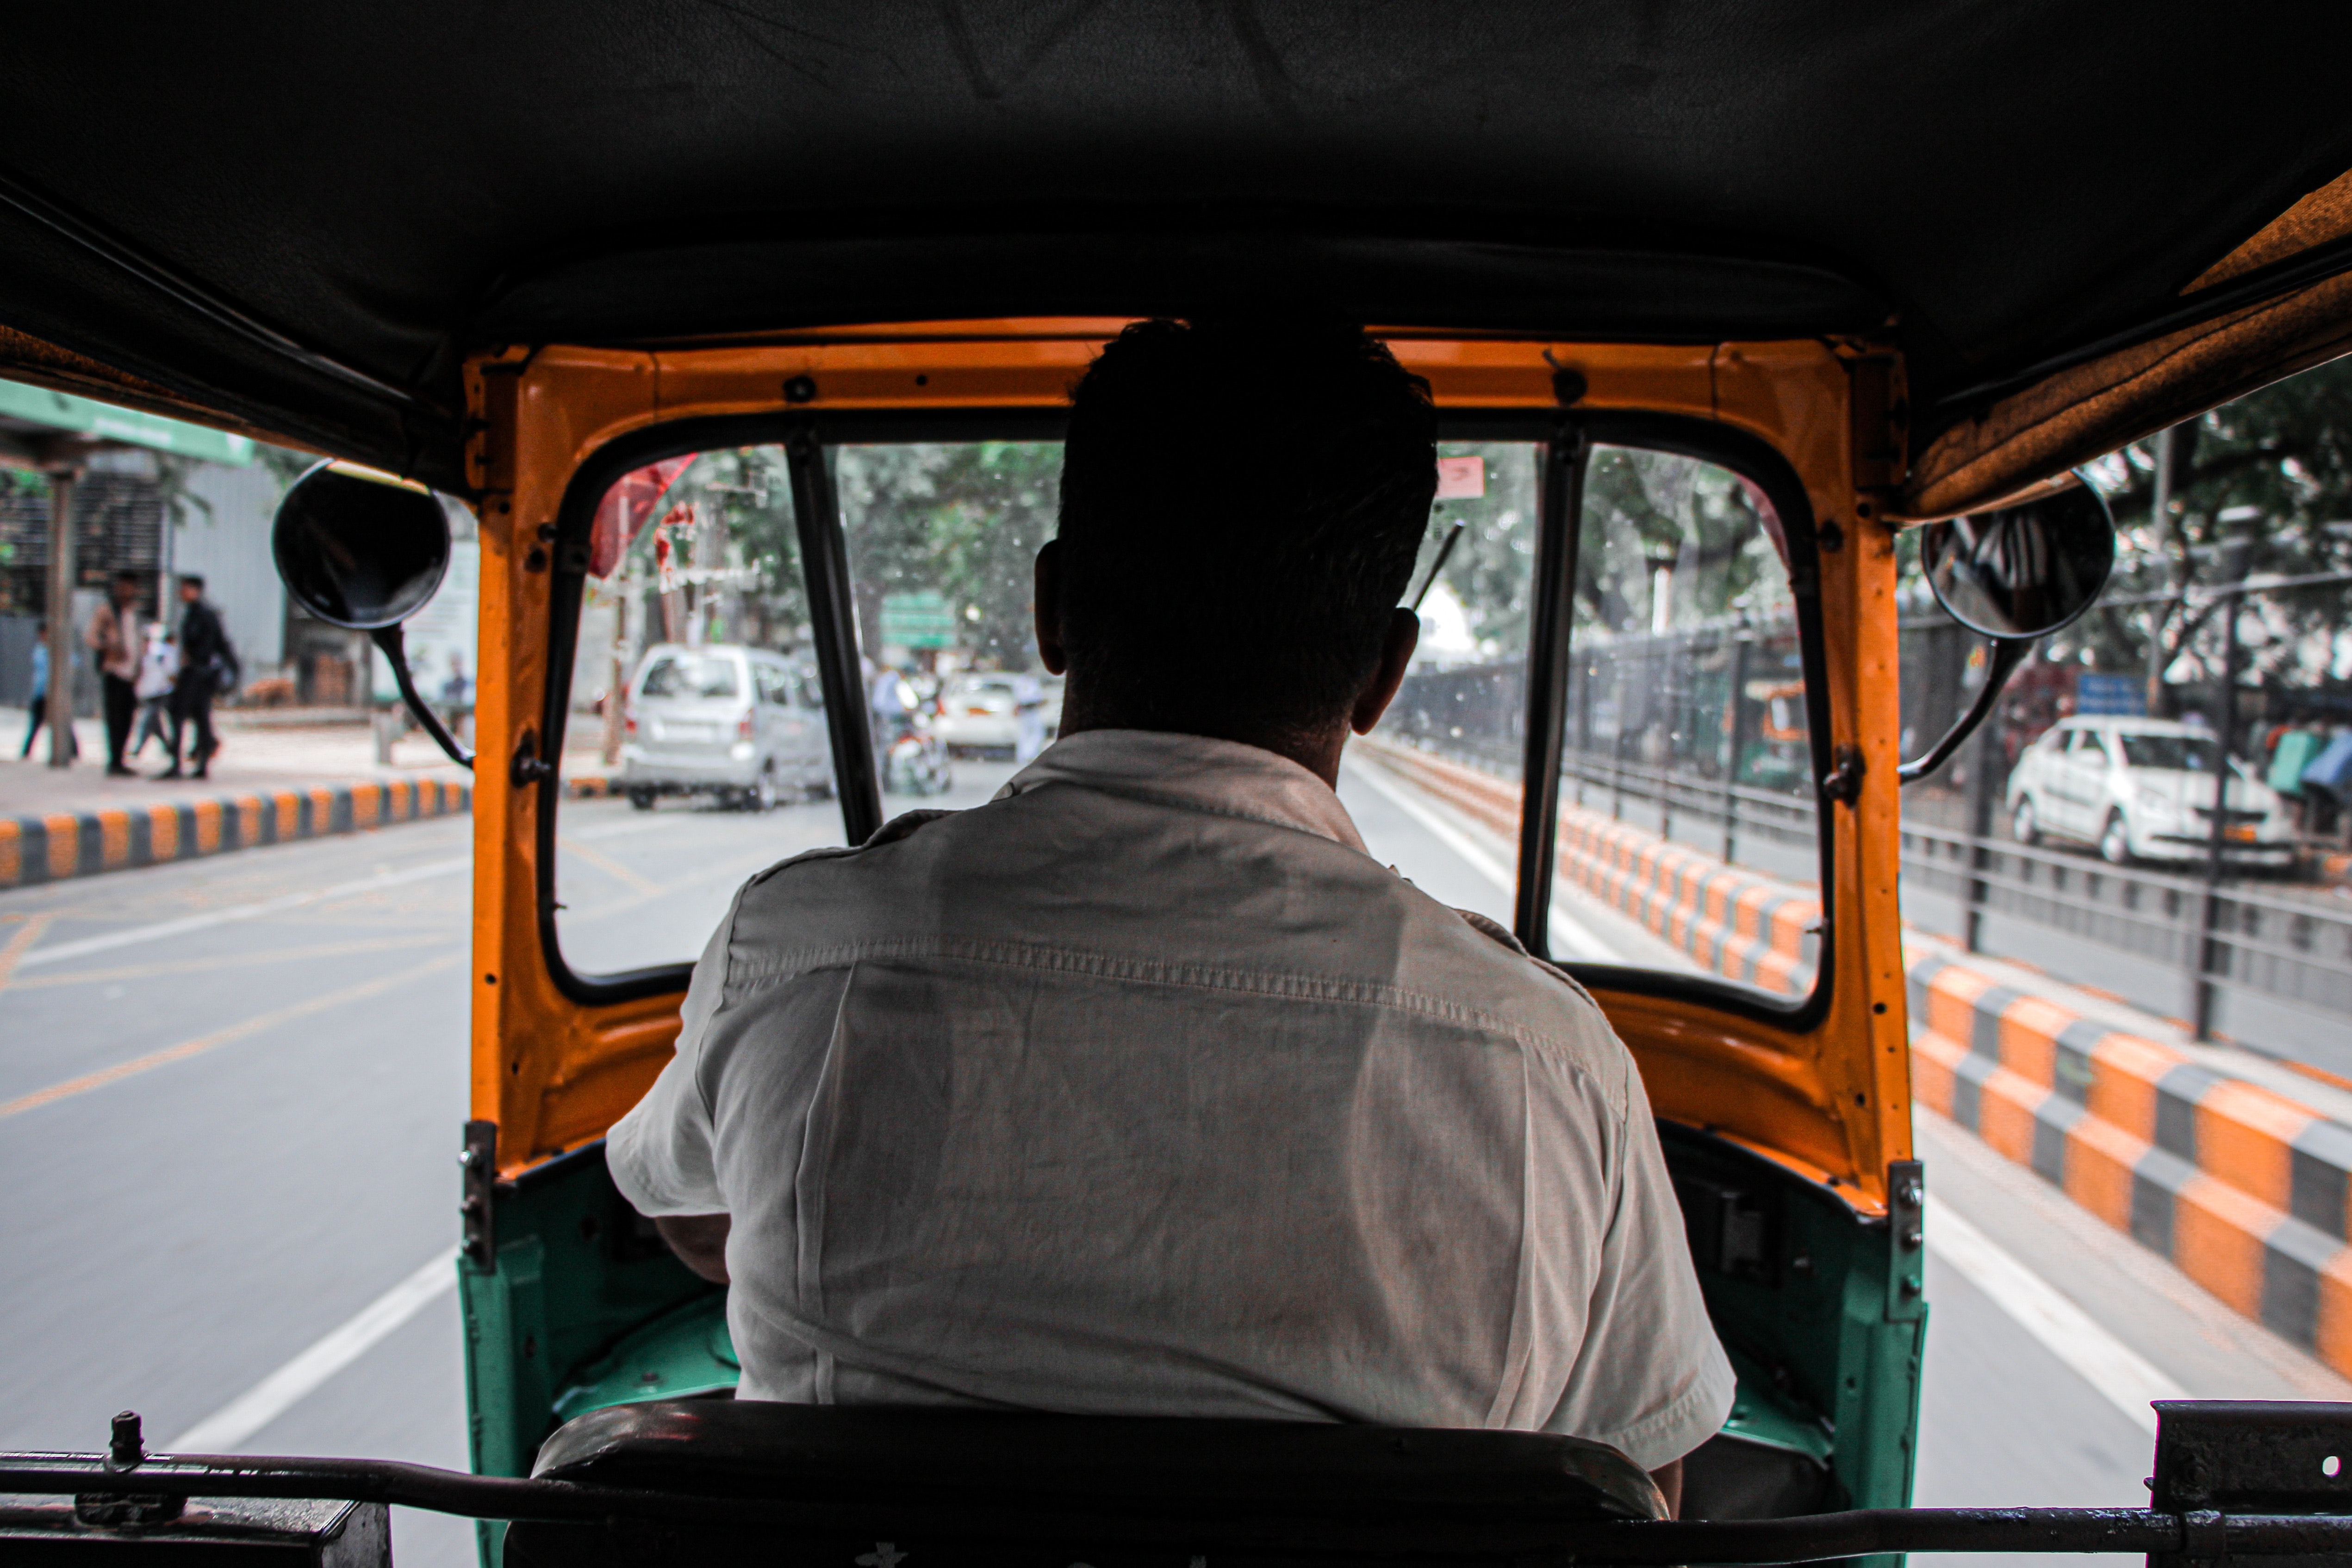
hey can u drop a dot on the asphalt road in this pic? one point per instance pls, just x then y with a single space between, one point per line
230 1094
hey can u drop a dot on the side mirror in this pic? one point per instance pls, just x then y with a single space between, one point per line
2016 575
364 550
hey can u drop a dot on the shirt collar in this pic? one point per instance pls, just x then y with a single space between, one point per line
1193 773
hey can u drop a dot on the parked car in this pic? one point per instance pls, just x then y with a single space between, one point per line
741 723
2142 789
995 714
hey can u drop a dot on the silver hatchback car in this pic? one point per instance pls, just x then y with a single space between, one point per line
741 723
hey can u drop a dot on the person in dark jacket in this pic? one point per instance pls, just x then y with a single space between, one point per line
207 666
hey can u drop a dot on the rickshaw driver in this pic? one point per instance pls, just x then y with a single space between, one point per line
1144 1089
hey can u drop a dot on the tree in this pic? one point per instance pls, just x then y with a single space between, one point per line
2286 453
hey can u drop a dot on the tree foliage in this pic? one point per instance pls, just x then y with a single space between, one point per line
2282 456
962 520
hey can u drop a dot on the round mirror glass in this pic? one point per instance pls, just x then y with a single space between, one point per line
359 548
2026 570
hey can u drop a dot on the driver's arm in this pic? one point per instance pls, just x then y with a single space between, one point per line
701 1242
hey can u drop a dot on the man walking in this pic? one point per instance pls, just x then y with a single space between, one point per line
115 641
207 666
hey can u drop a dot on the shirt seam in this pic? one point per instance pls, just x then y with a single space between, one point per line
1204 976
1182 803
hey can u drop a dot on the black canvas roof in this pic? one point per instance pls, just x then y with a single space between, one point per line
304 218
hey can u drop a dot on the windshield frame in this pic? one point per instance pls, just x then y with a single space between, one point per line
1725 445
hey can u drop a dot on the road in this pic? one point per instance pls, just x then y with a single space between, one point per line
229 1101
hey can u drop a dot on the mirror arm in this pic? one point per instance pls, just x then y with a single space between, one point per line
2008 653
395 651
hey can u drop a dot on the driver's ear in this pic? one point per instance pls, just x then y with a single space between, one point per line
1050 652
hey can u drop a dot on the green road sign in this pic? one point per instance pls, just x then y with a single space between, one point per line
918 620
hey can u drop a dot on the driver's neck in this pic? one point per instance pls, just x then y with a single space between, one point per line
1317 752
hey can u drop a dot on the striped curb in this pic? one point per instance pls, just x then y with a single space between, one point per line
2243 1189
63 845
1738 924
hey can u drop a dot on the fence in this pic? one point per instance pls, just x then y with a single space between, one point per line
1657 739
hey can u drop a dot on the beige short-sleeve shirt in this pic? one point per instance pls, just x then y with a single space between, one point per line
1144 1089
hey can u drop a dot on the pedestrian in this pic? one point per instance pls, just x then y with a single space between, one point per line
114 637
40 697
208 667
159 667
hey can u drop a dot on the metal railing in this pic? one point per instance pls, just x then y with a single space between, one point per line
2285 949
2232 936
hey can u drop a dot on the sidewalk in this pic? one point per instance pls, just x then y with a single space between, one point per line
272 781
2234 1166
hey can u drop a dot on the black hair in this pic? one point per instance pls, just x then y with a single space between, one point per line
192 580
1242 502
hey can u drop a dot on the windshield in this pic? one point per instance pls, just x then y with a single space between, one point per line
678 799
1686 723
2191 753
685 675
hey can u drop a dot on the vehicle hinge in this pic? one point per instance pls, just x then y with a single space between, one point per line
1843 783
490 452
1906 1215
479 1160
1877 427
528 767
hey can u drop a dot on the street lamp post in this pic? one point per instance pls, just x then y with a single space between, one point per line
61 461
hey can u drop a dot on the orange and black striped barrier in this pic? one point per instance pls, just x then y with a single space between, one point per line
2242 1188
63 845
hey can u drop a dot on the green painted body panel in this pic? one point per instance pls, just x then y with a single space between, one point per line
586 1308
679 1354
577 1273
1828 1333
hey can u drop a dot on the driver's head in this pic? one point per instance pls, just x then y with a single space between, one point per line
1241 501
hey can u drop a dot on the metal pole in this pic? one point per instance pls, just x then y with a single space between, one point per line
2207 954
1552 614
1671 694
2162 517
1617 740
1739 652
61 626
1990 746
1583 726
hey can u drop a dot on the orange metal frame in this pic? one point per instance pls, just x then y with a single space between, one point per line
1831 1100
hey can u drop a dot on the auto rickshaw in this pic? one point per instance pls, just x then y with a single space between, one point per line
1812 281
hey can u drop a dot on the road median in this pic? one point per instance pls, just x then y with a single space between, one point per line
54 847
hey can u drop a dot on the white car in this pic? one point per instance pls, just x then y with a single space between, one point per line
994 713
2142 789
736 722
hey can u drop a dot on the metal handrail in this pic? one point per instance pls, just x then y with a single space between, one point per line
1748 1543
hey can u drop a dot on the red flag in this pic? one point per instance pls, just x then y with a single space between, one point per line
623 512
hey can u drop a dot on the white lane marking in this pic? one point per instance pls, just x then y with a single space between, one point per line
1573 935
240 1418
2120 1374
162 928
